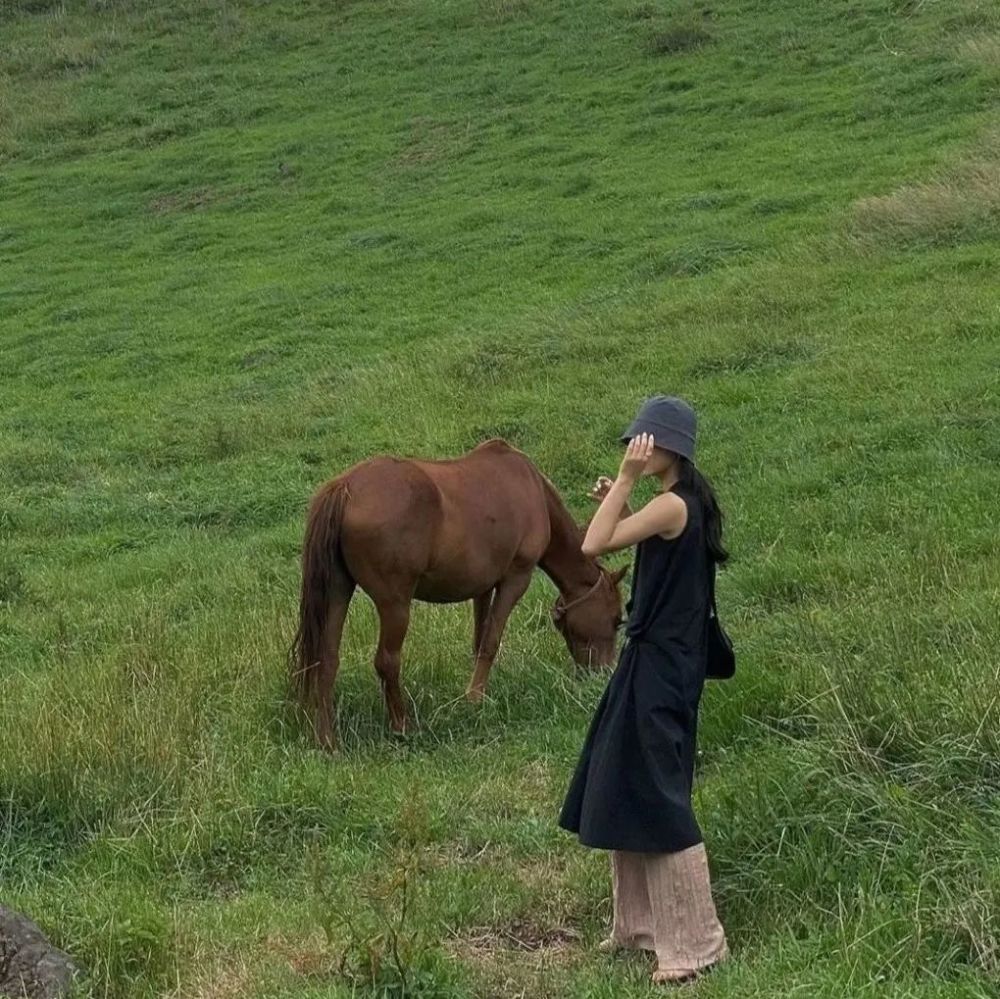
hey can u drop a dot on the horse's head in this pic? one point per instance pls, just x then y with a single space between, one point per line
589 622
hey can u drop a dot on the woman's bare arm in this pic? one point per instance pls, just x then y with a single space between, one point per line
612 529
600 490
665 515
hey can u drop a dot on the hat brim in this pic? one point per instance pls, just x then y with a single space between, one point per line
663 437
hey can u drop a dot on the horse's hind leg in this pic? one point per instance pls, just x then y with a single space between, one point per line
326 675
394 618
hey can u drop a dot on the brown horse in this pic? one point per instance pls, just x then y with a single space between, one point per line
469 528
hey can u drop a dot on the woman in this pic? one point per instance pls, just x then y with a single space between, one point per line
631 793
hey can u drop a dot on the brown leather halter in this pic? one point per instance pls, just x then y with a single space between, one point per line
560 609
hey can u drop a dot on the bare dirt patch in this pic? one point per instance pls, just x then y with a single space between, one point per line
518 960
488 943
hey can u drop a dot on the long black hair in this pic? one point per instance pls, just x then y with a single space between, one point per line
690 477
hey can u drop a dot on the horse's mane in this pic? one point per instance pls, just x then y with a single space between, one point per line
559 513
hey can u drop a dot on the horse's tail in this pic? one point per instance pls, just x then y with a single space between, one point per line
322 568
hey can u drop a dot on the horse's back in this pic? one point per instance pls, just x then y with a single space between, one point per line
494 508
494 481
385 488
388 490
454 525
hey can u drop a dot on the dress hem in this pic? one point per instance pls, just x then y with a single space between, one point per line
634 846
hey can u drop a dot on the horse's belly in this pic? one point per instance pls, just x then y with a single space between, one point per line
451 589
474 552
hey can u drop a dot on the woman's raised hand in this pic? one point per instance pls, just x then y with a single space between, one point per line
600 489
638 452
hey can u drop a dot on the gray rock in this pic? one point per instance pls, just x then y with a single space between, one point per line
30 967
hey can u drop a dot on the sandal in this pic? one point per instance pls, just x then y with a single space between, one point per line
676 977
683 976
612 945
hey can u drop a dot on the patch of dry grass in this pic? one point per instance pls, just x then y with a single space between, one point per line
193 200
238 975
430 141
227 977
517 960
684 36
982 49
486 942
61 49
960 206
499 11
306 958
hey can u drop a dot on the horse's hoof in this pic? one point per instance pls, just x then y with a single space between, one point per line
474 695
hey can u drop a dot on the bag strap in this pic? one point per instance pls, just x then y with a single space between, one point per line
711 589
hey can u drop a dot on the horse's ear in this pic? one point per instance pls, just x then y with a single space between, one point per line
619 574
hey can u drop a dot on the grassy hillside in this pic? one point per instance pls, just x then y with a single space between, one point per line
243 245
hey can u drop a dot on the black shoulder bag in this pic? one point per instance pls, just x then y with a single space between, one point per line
721 663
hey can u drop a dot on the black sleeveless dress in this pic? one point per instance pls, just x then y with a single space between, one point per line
632 786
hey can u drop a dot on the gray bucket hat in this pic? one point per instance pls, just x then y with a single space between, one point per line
670 420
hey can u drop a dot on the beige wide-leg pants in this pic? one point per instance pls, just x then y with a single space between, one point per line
663 903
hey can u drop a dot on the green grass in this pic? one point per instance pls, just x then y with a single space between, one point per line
243 245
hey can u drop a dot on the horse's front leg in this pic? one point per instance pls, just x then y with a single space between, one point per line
509 590
480 612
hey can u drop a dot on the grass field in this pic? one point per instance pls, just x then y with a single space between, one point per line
243 245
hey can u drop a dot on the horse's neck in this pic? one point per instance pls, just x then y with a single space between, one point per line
563 561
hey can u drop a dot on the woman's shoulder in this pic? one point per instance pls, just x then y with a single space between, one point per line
675 511
695 511
688 496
